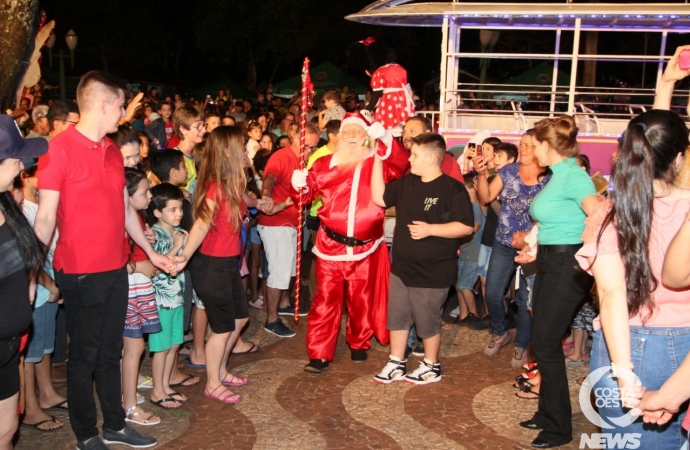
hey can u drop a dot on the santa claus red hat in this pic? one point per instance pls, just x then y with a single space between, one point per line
355 118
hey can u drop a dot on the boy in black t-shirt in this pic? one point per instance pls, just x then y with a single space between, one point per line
433 212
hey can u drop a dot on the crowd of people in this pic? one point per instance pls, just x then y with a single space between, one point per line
193 220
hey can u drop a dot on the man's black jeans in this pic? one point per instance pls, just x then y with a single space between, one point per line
95 305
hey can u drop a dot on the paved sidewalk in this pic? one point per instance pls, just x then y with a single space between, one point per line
474 407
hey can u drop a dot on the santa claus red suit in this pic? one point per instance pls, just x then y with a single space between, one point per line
352 257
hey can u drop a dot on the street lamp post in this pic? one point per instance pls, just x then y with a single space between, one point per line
71 41
50 44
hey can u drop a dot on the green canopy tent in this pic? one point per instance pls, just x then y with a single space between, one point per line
325 77
212 90
538 77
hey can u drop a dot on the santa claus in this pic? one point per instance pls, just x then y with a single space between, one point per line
351 255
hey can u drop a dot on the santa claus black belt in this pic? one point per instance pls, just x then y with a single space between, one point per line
342 239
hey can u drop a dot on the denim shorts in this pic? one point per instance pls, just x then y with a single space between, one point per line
655 352
254 237
483 262
42 334
467 275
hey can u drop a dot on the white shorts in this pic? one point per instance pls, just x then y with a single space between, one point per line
280 245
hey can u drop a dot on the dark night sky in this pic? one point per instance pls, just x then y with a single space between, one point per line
194 42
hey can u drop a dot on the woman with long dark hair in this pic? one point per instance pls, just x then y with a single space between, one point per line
643 329
21 258
560 285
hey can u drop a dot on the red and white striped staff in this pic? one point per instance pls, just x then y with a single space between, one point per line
307 97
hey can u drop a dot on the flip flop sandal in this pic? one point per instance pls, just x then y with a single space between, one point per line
146 384
527 390
160 402
57 407
174 394
130 416
226 397
182 383
38 424
253 349
234 381
188 361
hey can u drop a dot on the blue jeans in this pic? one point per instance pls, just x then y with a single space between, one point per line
502 266
656 354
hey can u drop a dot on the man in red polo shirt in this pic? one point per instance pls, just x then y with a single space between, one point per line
279 231
416 125
82 186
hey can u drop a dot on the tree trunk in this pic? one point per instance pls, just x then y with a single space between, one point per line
589 76
18 25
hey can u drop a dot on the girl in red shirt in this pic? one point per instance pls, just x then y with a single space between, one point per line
220 209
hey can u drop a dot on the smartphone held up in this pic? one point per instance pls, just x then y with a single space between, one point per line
684 60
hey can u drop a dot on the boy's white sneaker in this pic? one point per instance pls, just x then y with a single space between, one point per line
426 373
394 370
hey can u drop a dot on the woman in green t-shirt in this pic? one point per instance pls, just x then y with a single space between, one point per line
560 285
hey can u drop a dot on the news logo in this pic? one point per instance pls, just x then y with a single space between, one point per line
609 397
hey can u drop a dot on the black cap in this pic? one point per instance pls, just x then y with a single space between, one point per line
13 145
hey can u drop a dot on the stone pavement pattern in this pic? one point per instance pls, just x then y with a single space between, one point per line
473 407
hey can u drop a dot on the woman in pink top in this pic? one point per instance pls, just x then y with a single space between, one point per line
643 326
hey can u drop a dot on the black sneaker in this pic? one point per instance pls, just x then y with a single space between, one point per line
128 436
470 319
394 370
95 443
316 366
480 324
279 329
419 349
290 311
426 373
358 355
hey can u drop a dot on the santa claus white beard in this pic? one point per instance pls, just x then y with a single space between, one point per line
350 153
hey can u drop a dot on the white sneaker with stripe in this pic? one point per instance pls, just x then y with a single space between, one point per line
394 370
426 373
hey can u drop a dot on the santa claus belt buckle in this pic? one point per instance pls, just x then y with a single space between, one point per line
352 241
349 241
